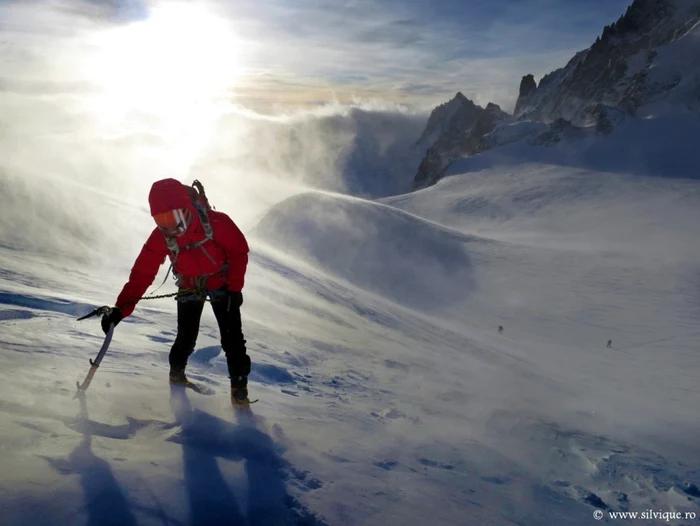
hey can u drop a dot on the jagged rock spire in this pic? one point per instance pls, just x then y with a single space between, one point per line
527 88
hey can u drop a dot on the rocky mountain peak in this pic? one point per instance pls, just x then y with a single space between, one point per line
441 117
615 66
645 64
460 136
528 85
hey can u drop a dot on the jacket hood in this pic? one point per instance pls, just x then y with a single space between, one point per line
168 194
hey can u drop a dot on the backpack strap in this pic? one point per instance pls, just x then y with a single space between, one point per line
172 246
175 249
208 234
201 205
204 219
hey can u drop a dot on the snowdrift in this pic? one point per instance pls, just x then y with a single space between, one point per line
380 249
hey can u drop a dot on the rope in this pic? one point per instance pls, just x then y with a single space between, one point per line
201 294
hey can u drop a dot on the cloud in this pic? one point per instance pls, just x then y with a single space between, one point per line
481 47
108 11
311 50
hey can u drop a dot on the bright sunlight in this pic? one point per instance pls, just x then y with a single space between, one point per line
181 56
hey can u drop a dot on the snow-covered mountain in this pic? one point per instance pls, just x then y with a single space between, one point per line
645 65
650 55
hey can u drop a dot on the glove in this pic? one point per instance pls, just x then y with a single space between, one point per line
114 316
234 300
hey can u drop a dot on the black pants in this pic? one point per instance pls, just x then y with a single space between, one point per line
228 316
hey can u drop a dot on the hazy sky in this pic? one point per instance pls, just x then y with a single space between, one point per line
285 52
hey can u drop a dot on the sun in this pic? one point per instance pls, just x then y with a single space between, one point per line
181 55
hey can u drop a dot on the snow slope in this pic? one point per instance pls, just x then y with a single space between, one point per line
386 394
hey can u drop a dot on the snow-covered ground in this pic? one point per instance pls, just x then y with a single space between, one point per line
387 395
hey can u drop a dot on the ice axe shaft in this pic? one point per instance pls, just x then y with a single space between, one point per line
94 364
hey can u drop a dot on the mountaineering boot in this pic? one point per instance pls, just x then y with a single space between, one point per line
239 396
177 376
239 391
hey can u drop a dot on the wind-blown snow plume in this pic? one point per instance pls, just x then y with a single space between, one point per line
77 162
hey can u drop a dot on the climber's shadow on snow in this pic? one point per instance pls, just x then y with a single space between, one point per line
205 439
210 498
105 501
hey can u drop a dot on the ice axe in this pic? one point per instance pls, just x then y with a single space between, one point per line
94 364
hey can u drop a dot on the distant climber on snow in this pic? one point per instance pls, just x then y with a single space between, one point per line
209 256
500 329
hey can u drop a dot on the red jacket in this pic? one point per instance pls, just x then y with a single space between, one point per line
229 246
